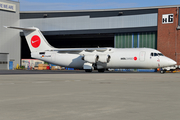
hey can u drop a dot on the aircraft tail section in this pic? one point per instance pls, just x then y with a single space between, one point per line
35 39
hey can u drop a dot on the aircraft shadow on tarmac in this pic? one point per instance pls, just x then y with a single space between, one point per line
9 72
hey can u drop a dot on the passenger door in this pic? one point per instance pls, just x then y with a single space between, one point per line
142 56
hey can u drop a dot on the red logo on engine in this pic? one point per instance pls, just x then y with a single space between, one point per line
35 41
135 58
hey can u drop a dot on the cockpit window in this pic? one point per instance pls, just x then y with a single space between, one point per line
160 54
155 54
151 54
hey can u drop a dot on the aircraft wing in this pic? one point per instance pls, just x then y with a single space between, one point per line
81 49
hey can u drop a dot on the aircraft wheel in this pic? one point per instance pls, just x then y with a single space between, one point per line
101 70
88 70
162 71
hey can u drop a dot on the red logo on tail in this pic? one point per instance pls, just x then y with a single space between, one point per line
35 41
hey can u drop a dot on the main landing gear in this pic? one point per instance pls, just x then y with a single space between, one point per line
88 70
99 70
89 67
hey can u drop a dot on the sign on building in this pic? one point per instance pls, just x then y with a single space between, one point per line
7 6
167 18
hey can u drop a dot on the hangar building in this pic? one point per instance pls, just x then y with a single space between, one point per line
152 27
10 51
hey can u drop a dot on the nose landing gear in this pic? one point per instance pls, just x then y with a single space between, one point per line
162 71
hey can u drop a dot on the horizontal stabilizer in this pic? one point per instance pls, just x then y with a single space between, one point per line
21 28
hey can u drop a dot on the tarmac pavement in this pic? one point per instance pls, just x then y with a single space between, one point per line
90 96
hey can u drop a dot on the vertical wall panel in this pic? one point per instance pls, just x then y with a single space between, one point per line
140 40
152 40
135 40
144 40
123 41
127 41
130 41
148 40
115 41
179 17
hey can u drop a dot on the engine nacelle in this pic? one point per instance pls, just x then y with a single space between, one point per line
104 58
91 58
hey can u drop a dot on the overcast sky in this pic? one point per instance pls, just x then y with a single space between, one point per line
50 5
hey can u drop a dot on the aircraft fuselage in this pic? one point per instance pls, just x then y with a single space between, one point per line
142 58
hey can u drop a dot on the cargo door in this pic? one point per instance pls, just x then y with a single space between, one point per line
53 57
142 56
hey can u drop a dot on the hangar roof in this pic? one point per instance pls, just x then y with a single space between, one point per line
101 10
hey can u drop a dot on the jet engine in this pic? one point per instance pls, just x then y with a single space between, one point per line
104 58
91 58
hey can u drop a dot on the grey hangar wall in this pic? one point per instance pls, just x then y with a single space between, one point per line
10 42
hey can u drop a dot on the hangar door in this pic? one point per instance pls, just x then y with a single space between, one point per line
136 40
4 61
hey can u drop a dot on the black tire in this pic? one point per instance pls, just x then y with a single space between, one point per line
88 70
162 71
101 70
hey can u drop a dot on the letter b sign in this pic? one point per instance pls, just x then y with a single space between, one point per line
167 18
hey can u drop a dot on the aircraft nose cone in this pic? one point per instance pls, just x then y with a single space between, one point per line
172 62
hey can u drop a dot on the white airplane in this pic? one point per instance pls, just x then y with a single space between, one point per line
94 58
